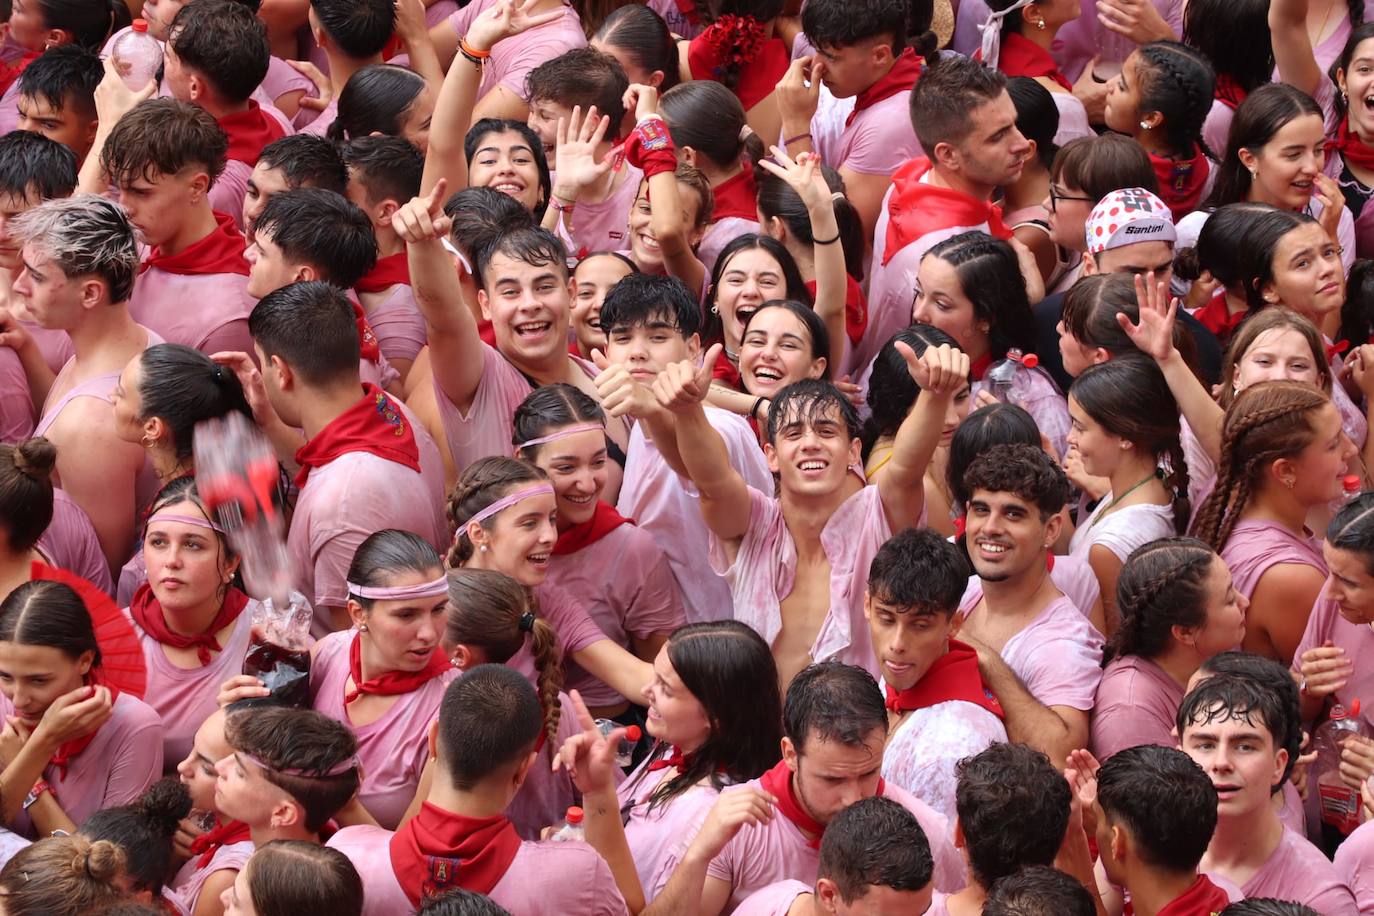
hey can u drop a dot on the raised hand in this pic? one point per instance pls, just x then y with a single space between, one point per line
803 175
621 394
799 91
250 379
642 100
1325 669
589 756
1359 366
1138 20
75 714
1153 334
575 160
506 19
13 334
241 687
324 89
113 97
422 219
728 815
939 370
683 385
1329 193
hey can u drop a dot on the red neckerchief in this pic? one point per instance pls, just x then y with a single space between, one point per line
916 208
688 9
390 270
1202 898
1228 91
1336 349
1181 182
390 683
220 252
436 850
603 521
209 842
1216 317
368 348
73 748
740 40
954 676
777 782
906 69
737 197
147 613
1022 57
10 72
374 425
855 308
1351 147
249 131
980 367
676 758
727 372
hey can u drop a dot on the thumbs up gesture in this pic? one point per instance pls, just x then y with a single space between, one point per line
683 385
940 370
621 394
423 219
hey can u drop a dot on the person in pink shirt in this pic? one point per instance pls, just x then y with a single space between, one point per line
593 278
386 99
1178 609
57 96
352 36
26 508
485 742
1354 862
144 829
297 875
294 161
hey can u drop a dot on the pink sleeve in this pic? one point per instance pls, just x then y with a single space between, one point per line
531 50
657 605
399 326
231 336
576 630
226 195
1065 665
136 762
1117 723
485 429
882 142
332 559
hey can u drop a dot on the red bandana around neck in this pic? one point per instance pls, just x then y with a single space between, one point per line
917 208
390 270
603 521
737 197
980 367
740 41
249 131
1022 57
220 252
1352 149
375 424
855 308
368 348
777 782
70 750
954 676
1216 317
1181 182
1228 91
223 834
1202 898
390 683
147 613
727 372
437 850
906 69
676 758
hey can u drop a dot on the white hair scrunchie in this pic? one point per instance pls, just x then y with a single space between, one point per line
992 32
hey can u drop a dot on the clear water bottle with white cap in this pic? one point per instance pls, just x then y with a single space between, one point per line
137 56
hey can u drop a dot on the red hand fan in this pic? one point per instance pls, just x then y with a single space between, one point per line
122 667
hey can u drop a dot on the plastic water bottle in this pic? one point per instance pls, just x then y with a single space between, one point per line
1340 804
571 829
1003 372
1350 488
137 56
625 753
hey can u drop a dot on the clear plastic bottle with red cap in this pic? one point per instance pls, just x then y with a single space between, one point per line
571 830
137 56
1003 372
1351 487
1340 804
625 752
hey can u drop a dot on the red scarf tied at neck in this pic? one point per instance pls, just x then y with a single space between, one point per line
737 197
147 613
603 521
777 782
390 683
676 758
903 75
1352 149
389 271
1181 182
1228 91
954 676
249 131
437 850
220 252
70 750
368 348
1216 317
223 834
375 424
917 208
1202 898
1019 56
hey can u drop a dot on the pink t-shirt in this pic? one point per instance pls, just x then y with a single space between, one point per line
282 78
1137 702
16 406
70 543
118 766
773 900
604 225
575 628
545 796
1355 865
924 750
319 125
877 141
394 748
719 234
398 325
183 891
1255 546
655 837
185 697
572 874
1326 624
1076 579
1298 871
207 312
512 60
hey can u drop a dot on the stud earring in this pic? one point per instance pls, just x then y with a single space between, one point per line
483 548
1040 25
1144 125
362 628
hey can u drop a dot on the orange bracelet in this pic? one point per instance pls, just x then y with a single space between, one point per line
470 51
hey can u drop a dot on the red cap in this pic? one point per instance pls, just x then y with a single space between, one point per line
1351 483
1030 360
574 815
1355 707
139 25
633 733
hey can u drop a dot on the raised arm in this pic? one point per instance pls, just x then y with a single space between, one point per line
414 34
622 396
113 99
1293 55
575 162
940 372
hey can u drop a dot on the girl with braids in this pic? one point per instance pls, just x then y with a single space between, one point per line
614 570
1161 99
1126 429
1282 454
740 50
1178 608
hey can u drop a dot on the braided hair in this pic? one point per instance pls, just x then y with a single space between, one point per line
483 483
1163 585
1179 83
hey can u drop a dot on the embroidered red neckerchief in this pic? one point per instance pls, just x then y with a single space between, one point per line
147 613
1181 182
954 676
368 348
777 782
220 252
1229 92
727 372
855 308
737 197
249 131
375 424
1202 898
1351 147
1019 56
70 750
743 42
916 208
603 521
226 834
906 69
390 683
689 10
1217 317
389 271
437 850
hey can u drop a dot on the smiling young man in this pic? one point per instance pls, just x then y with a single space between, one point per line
57 97
1038 652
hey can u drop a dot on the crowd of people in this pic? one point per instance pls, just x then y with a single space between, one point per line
774 457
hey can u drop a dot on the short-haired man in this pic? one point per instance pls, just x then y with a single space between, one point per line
1038 890
57 97
352 34
294 161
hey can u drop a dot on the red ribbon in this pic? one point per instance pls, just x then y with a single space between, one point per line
390 683
916 208
954 676
374 425
220 252
437 850
603 521
1216 317
855 308
389 271
147 612
227 834
650 148
741 41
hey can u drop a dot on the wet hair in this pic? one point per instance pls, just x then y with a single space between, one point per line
1352 529
1267 906
694 181
778 199
639 300
85 236
459 901
1178 83
1267 421
286 877
643 35
808 402
1090 309
990 276
944 96
183 490
707 116
549 407
482 483
63 876
387 168
91 24
875 842
835 24
485 609
1022 470
1255 326
919 572
490 718
30 163
1360 32
144 830
375 99
480 216
1162 585
323 229
1164 801
1357 314
994 424
183 387
794 285
306 161
304 740
1273 677
582 77
1234 36
1223 697
160 137
1013 808
1038 890
488 126
1099 165
64 75
1128 397
26 486
46 613
535 246
1037 117
815 327
359 28
311 327
385 553
832 701
1218 249
1265 111
225 42
892 392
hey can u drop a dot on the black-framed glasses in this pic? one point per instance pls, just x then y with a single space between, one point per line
1056 196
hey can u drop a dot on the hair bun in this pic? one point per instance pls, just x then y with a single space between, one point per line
35 458
103 861
165 803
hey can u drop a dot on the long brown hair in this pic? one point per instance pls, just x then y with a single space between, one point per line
1272 318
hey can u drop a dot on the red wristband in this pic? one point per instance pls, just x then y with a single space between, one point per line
650 148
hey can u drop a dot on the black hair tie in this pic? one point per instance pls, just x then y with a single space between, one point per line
527 622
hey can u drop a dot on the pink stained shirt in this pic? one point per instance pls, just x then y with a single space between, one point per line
543 877
1123 530
655 837
207 312
394 748
1326 624
773 900
226 194
877 141
54 344
183 891
1255 546
398 325
1137 702
71 543
626 586
762 854
1076 579
118 766
665 505
1298 871
185 697
923 752
766 566
513 59
1058 655
1355 865
575 628
719 234
282 79
604 225
16 406
545 796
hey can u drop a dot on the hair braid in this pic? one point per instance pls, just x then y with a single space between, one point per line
1162 585
548 662
1191 86
1177 481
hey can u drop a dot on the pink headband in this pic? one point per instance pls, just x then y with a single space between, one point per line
507 501
352 763
432 589
185 520
564 433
